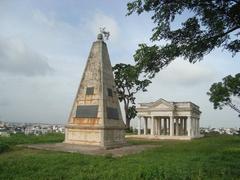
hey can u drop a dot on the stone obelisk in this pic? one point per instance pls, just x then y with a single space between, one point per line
96 118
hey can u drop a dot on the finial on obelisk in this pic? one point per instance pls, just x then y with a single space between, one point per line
102 33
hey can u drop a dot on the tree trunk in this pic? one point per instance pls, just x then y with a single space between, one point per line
126 116
128 123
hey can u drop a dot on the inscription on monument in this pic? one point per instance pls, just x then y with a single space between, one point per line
89 111
112 113
110 92
90 91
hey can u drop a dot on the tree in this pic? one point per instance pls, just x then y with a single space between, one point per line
210 24
226 93
128 83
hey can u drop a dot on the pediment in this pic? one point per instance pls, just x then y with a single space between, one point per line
162 104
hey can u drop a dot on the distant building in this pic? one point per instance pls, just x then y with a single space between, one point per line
28 130
2 124
169 120
4 134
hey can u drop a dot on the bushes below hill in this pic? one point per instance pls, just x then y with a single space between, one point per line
3 147
15 139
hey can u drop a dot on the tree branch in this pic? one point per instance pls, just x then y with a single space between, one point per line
233 107
225 33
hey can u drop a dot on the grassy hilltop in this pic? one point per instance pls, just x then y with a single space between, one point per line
215 157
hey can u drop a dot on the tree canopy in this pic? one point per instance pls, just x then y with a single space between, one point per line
226 93
210 24
128 83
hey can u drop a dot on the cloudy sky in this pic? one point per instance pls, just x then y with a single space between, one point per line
44 47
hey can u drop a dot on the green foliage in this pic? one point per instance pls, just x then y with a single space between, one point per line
31 139
210 24
216 157
3 147
128 83
223 93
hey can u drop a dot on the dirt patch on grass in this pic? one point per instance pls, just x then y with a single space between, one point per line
93 150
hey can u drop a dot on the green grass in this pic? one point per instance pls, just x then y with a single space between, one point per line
3 147
15 139
216 157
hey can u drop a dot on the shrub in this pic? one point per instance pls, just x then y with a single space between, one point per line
15 139
3 147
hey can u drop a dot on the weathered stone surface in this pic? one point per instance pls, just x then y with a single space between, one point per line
86 124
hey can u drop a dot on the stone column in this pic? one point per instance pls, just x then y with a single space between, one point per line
153 126
197 121
165 126
160 125
177 127
196 128
139 125
185 126
145 125
183 120
193 127
167 121
189 126
180 127
156 125
199 126
171 126
174 126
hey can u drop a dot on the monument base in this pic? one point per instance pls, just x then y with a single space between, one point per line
106 138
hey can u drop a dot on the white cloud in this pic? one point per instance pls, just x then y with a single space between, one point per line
48 22
183 73
17 58
42 18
